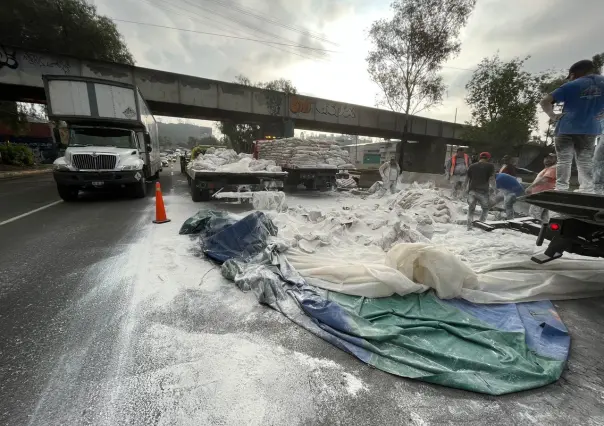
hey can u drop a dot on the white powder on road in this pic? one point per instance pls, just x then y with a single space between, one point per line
353 384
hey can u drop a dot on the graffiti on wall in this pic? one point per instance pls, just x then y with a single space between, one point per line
40 61
299 105
272 101
8 58
336 110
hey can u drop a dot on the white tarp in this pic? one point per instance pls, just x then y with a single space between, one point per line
412 268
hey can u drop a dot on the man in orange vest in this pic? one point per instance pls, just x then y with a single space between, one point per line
457 169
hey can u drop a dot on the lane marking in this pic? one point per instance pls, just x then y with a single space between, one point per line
12 219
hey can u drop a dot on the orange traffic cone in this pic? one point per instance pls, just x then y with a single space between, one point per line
160 209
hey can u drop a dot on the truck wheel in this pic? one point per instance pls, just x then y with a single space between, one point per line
139 190
68 193
195 193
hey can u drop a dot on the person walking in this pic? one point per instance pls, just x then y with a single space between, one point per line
509 190
478 182
390 172
578 125
508 166
457 169
545 181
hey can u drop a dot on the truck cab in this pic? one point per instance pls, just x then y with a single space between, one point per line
111 141
101 158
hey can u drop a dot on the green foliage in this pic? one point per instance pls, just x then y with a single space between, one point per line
240 136
503 99
198 150
206 141
63 26
16 155
410 48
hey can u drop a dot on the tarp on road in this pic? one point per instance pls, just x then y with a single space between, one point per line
241 240
492 349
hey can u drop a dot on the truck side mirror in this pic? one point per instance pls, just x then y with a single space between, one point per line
148 147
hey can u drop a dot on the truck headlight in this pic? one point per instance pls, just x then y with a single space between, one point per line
133 166
60 167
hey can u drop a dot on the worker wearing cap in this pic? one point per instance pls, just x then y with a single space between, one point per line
478 182
578 125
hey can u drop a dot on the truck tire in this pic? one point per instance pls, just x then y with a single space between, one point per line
67 193
139 190
195 192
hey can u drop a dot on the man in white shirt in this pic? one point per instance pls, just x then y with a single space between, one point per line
390 172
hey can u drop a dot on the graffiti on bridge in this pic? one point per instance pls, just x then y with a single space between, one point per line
8 58
299 105
40 61
272 101
337 110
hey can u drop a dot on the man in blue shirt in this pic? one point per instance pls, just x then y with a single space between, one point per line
578 125
509 190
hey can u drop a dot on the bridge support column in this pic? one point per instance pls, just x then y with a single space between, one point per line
425 156
278 129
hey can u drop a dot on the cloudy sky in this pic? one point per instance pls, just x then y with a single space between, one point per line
555 33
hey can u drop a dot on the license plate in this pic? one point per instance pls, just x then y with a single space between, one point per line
97 183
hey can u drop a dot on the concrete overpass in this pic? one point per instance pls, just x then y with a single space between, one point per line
178 95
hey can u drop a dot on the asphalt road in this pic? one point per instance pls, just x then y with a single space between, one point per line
106 318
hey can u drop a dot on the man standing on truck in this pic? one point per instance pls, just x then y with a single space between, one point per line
390 172
457 169
578 125
545 181
478 180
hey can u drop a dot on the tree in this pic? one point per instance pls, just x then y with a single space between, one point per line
70 27
409 50
503 100
240 136
192 142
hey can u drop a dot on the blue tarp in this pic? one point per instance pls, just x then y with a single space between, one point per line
240 240
493 349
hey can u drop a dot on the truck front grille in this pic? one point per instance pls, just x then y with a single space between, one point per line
94 162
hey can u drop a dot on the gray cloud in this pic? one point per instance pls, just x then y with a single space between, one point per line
209 56
555 33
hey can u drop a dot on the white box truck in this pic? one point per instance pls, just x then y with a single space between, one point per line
112 137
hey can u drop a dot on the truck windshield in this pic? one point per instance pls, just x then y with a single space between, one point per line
117 138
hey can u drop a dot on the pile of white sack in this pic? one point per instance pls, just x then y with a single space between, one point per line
304 153
228 161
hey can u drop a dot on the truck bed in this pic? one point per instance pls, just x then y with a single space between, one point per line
198 174
308 168
585 207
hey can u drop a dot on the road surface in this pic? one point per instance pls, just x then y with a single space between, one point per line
108 319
